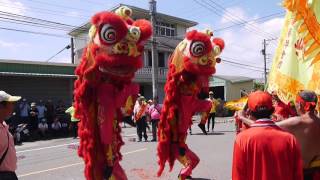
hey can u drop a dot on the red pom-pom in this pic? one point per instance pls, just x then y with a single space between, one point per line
145 28
219 42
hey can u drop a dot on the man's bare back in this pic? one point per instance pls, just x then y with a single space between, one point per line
306 129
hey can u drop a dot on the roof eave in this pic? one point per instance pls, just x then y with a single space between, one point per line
185 22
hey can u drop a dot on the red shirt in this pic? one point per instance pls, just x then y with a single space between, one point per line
265 152
10 161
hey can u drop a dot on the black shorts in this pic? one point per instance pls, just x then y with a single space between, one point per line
8 175
309 174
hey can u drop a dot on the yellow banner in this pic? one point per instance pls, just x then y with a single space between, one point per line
296 64
236 105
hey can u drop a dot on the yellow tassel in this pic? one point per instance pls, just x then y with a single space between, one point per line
315 59
313 47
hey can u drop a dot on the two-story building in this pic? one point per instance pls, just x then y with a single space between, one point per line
169 30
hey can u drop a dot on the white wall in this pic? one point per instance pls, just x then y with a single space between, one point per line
181 30
81 41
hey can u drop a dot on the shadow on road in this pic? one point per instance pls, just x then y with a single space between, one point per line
210 133
226 131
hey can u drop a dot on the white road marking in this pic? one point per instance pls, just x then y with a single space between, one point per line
49 147
61 145
52 169
75 164
129 135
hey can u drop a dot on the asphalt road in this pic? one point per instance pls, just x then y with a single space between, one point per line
57 159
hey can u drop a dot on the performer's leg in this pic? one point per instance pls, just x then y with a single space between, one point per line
144 128
190 160
118 173
139 130
75 129
213 120
154 130
208 123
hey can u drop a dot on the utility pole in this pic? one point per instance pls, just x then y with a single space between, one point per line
72 50
153 11
263 51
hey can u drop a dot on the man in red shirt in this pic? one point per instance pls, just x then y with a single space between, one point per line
264 151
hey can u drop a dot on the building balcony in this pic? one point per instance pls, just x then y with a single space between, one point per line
145 74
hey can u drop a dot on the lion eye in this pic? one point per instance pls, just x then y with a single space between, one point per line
108 34
197 48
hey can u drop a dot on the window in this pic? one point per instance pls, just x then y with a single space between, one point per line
161 60
165 29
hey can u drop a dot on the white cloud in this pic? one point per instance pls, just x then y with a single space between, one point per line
13 6
243 46
237 12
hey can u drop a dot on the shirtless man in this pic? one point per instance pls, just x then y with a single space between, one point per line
306 128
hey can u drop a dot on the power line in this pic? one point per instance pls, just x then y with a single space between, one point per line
67 47
260 19
243 67
33 32
48 11
216 11
56 5
237 19
35 19
38 33
241 64
17 21
37 22
27 24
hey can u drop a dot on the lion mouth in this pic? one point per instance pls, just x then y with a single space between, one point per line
122 71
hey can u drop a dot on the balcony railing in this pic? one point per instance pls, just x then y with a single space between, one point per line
146 73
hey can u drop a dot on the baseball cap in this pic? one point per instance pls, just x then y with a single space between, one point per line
259 99
210 92
8 98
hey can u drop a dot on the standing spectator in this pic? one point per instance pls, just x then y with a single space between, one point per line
56 127
64 126
41 111
212 113
140 114
24 109
50 112
33 119
154 112
61 115
8 158
60 110
74 121
43 128
264 151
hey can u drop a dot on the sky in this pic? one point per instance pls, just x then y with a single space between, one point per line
243 42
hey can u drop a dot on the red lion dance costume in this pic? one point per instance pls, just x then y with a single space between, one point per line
108 65
191 65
